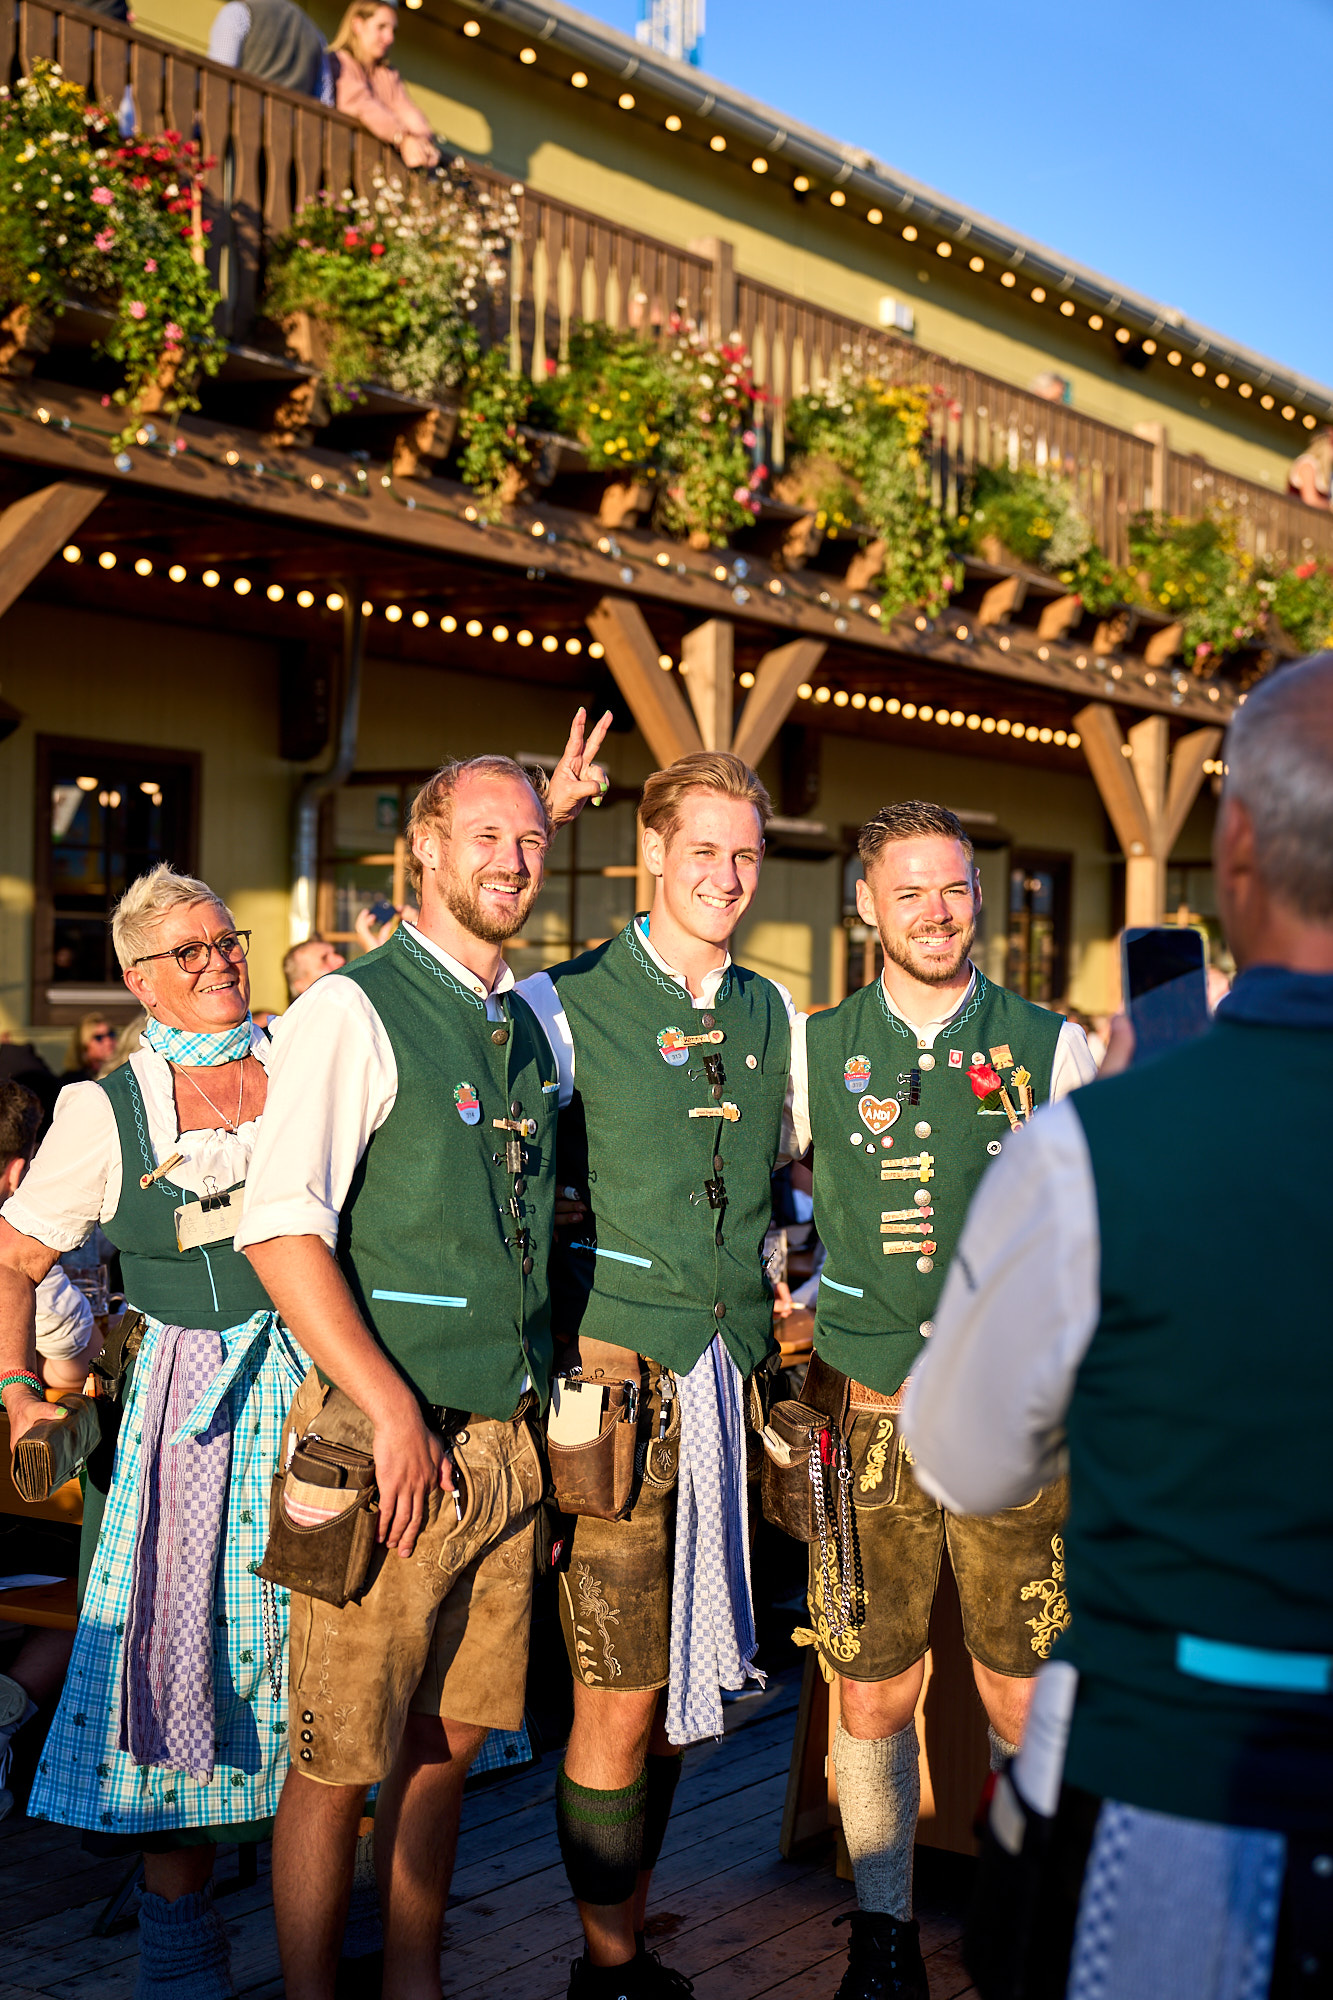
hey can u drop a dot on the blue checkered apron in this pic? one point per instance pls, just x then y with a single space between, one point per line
83 1779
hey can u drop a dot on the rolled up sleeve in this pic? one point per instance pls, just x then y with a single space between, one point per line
74 1182
332 1082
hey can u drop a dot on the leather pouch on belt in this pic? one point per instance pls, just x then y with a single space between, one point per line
56 1448
324 1510
797 1451
592 1430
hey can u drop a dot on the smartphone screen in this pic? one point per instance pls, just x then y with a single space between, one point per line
1165 986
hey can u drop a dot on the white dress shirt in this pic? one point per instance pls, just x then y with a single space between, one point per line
333 1081
1073 1064
542 995
986 1403
74 1182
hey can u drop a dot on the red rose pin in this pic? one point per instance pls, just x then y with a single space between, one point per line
985 1081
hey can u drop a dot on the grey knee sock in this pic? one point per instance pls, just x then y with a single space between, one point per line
183 1950
879 1797
1000 1751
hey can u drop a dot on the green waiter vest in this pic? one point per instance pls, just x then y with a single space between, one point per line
444 1246
1201 1467
648 1272
882 1280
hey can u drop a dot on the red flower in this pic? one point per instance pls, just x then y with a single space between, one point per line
377 249
350 239
985 1081
1304 570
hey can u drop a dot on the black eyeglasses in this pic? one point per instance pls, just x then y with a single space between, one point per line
231 948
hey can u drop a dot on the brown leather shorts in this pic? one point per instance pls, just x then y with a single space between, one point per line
1009 1567
443 1633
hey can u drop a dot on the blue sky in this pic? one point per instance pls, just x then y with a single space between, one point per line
1182 149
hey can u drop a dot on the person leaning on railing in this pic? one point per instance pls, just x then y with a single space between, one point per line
370 89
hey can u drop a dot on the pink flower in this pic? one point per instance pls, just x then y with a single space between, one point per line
104 239
103 197
742 494
151 265
172 334
138 310
747 439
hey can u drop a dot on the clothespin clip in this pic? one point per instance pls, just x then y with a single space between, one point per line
525 1127
731 1112
146 1180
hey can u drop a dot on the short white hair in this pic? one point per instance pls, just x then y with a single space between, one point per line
135 919
1279 757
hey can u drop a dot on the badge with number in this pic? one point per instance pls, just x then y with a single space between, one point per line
878 1113
856 1073
671 1043
469 1104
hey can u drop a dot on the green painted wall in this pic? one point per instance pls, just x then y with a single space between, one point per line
625 167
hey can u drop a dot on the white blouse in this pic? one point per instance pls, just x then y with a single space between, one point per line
75 1180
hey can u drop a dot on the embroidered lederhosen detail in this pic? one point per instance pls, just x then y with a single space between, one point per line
1053 1618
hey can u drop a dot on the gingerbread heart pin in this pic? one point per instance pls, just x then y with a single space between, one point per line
878 1113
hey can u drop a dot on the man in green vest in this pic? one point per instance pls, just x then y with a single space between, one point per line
1126 1293
908 1090
675 1078
402 1213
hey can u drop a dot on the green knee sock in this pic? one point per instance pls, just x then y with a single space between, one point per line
601 1838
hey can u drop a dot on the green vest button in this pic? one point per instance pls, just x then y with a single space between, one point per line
719 1310
499 1036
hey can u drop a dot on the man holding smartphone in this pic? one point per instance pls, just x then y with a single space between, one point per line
1113 1304
909 1089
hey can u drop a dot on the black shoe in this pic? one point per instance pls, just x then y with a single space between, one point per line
359 1978
607 1982
884 1959
662 1982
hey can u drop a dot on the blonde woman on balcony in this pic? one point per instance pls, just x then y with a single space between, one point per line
370 89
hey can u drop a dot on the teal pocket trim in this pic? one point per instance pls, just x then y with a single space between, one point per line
417 1299
623 1257
1253 1666
852 1291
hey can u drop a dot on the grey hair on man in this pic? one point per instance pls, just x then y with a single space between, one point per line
135 919
1279 758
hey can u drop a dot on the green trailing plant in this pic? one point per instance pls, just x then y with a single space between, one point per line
616 397
855 450
392 281
713 477
491 424
1032 514
1196 572
1301 600
117 225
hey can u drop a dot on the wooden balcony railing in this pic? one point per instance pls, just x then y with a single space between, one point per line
274 150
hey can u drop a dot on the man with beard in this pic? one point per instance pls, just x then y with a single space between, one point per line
675 1075
401 1213
909 1089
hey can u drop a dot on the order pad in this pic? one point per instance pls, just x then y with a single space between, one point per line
216 1223
576 1411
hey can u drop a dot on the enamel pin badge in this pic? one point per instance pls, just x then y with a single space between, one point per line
856 1073
955 1059
468 1103
673 1047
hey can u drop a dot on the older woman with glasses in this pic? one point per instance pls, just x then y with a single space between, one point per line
171 1729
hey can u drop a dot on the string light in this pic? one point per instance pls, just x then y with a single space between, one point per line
500 633
1288 412
211 580
672 123
1038 295
759 165
597 650
580 81
875 215
944 249
747 680
177 572
804 691
1197 368
305 598
876 703
717 143
665 662
976 263
72 553
143 567
448 623
472 28
550 644
1265 402
822 693
527 55
393 612
1096 322
334 600
1150 347
801 184
524 638
1223 381
274 593
420 618
1244 389
626 100
909 233
1123 335
1008 279
1068 308
840 698
1174 358
473 628
574 646
838 199
108 561
858 700
242 586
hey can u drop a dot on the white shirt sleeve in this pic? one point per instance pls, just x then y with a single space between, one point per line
986 1403
1074 1063
332 1082
539 990
800 1088
65 1324
231 25
74 1182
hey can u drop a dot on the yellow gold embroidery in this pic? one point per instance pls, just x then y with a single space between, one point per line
872 1474
1053 1617
847 1645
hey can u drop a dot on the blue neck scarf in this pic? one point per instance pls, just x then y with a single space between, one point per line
1273 996
179 1045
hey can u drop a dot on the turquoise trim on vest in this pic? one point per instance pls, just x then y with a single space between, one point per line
1253 1666
618 1256
852 1291
417 1298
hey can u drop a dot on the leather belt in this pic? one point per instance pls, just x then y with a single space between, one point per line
450 1421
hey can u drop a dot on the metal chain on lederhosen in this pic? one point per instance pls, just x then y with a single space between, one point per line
841 1537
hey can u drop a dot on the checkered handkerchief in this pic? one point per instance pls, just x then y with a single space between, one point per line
178 1045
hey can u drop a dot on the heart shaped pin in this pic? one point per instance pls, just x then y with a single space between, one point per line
878 1113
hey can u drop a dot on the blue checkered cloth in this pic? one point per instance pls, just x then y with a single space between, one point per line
178 1045
84 1779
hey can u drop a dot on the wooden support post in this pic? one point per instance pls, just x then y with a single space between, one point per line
1002 600
1156 436
1059 616
708 653
1147 795
655 700
769 701
722 292
1164 645
34 528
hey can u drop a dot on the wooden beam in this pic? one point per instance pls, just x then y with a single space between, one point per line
1149 758
708 655
1163 645
1188 758
1059 615
655 700
769 701
1002 600
1103 746
34 528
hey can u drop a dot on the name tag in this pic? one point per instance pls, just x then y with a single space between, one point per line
576 1411
214 1220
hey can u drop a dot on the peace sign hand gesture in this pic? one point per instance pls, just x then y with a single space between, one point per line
577 778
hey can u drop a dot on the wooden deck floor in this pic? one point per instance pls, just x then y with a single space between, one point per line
727 1911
